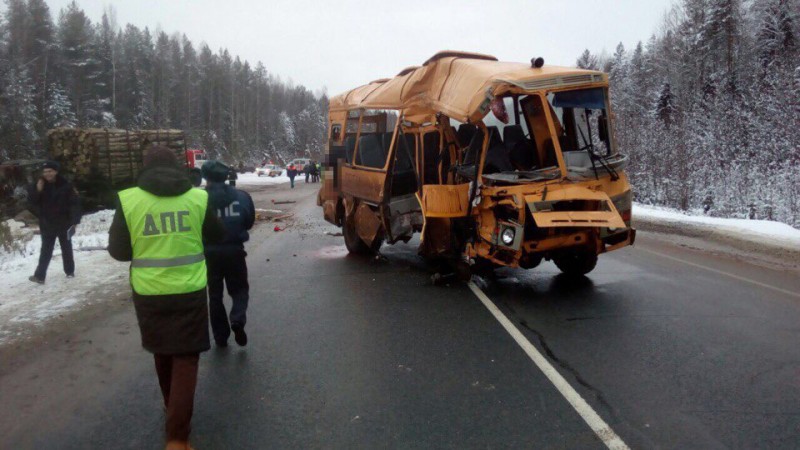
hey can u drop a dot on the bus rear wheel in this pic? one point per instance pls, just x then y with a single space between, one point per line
353 241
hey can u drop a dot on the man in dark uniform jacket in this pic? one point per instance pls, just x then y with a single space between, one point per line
56 203
226 260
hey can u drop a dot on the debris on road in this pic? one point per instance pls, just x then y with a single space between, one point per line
92 248
439 278
283 202
334 233
267 213
274 215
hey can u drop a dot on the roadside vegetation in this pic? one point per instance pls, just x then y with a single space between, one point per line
709 108
69 71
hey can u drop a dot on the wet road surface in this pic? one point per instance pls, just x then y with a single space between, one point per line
671 347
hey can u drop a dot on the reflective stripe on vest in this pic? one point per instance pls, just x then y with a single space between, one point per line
166 237
168 262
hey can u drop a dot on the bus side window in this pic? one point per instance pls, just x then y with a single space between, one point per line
349 148
336 133
370 152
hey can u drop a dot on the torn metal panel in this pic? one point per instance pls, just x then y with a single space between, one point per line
436 237
445 200
329 212
405 214
364 184
367 223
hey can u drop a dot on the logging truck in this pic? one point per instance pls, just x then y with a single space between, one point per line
493 163
102 161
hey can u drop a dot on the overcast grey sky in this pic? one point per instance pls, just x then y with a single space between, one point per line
343 44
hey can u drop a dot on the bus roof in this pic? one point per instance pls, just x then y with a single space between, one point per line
459 85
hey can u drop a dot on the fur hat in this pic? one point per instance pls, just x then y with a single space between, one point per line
160 156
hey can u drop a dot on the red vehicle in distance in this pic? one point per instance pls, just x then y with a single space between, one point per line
195 158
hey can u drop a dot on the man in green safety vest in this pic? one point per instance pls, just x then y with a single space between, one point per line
159 226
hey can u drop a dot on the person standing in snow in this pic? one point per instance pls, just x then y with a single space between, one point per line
291 172
160 227
314 172
226 260
307 170
232 177
55 201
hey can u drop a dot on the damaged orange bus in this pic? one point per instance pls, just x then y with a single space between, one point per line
494 163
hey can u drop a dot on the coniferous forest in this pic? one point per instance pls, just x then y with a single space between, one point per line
59 69
708 109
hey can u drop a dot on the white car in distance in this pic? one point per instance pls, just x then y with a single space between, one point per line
270 170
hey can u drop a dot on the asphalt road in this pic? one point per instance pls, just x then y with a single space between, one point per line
671 347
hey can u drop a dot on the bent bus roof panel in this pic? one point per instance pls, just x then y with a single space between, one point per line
458 84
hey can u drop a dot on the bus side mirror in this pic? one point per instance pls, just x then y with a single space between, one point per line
602 128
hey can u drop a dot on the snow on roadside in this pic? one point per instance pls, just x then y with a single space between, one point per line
97 277
251 178
765 229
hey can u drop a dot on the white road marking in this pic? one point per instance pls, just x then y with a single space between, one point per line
727 274
595 422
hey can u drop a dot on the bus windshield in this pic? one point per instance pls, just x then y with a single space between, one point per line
583 120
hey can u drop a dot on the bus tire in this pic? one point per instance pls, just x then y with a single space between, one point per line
576 262
353 241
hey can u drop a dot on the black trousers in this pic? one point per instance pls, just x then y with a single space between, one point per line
48 244
227 268
177 377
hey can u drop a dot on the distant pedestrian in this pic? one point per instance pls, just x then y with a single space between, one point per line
708 203
160 227
226 260
55 201
291 172
319 170
307 170
232 177
314 172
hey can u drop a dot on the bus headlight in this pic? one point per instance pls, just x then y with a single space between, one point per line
508 235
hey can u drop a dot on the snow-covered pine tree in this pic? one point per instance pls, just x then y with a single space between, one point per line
40 55
587 61
665 106
18 116
59 108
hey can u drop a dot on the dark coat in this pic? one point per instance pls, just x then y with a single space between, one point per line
237 211
57 206
291 171
169 324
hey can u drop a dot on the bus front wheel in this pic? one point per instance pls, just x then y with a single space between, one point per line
576 262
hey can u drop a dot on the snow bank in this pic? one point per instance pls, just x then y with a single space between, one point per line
97 276
771 242
762 228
